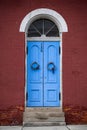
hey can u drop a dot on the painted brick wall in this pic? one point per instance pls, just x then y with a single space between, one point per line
12 58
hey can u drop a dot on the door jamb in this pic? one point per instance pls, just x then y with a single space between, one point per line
44 39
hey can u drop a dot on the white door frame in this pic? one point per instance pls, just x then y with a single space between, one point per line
62 26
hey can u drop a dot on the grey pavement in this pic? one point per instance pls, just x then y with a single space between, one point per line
68 127
77 127
10 127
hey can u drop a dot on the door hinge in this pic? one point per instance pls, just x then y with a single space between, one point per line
27 50
59 95
59 50
26 96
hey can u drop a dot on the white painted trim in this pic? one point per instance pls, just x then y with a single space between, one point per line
61 81
44 13
25 69
43 38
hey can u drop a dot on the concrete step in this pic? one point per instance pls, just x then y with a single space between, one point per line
43 109
53 119
29 124
43 116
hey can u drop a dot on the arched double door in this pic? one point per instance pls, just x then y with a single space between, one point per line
43 64
43 73
43 29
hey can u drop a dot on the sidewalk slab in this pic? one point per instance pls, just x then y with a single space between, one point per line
46 128
68 127
77 127
10 127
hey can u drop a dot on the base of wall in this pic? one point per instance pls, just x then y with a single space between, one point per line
75 114
14 115
44 116
11 116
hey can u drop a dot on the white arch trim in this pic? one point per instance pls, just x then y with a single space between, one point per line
44 13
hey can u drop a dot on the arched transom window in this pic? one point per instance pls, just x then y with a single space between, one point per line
42 27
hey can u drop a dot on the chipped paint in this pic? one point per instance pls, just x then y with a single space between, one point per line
12 116
75 114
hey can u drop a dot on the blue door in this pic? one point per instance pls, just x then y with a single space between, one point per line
43 74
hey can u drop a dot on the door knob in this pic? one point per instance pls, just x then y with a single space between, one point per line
35 66
51 67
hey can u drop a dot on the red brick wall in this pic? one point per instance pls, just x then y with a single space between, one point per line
12 56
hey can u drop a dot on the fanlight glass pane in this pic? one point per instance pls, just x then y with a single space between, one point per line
43 27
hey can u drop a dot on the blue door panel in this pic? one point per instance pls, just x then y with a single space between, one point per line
34 80
43 74
51 74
